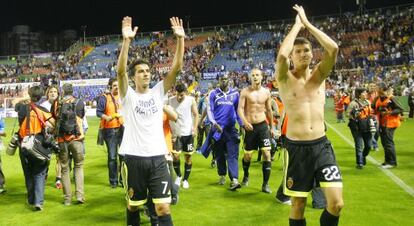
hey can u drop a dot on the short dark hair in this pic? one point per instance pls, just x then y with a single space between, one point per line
67 89
35 93
301 41
111 81
180 87
131 66
358 92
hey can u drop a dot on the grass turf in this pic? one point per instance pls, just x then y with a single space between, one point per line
371 197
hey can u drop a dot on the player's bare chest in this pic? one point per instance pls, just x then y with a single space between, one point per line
256 97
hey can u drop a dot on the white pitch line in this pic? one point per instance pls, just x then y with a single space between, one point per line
387 172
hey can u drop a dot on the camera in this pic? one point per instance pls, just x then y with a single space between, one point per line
51 143
13 144
356 112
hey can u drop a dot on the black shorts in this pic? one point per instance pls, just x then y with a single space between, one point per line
258 138
143 175
185 144
306 162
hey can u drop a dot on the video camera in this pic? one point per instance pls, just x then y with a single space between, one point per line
51 143
356 112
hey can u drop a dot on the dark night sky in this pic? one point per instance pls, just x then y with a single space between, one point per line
103 17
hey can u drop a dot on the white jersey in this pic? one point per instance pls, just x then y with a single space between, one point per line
143 115
184 123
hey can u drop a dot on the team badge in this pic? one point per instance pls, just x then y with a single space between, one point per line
289 183
130 193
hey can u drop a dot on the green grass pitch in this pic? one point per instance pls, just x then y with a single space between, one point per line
371 197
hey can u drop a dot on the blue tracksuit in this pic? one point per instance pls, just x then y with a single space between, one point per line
222 109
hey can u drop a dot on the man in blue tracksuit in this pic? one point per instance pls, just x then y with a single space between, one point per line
222 113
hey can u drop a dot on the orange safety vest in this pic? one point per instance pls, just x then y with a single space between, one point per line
388 120
167 132
346 100
339 104
34 122
111 109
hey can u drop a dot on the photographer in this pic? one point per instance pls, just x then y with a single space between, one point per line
388 111
361 125
33 120
69 112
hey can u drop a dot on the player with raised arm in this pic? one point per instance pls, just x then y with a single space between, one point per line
309 154
145 169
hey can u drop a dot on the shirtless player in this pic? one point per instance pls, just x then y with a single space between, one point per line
254 107
309 154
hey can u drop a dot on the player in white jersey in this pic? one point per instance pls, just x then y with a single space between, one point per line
183 131
145 169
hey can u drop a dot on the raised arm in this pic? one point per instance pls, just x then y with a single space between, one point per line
177 64
127 35
282 61
330 47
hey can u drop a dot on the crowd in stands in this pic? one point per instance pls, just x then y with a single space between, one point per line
400 77
37 69
384 37
374 46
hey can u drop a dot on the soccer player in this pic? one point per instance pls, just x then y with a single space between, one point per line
309 153
145 169
254 107
184 131
222 113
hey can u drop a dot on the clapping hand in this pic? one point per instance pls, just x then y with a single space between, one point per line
301 14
